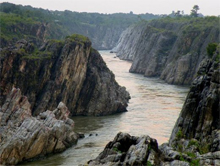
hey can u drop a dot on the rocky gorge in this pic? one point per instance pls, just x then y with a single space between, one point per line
68 77
195 139
169 48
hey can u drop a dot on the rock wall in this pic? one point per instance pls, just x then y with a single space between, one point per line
195 139
171 49
24 137
200 116
69 71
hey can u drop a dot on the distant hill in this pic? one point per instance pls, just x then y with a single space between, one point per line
39 25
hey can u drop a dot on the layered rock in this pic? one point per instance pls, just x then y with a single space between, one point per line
195 139
69 71
198 125
127 150
24 137
171 49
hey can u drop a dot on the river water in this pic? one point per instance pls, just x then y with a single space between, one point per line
153 110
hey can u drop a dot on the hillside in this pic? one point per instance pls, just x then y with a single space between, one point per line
104 30
169 48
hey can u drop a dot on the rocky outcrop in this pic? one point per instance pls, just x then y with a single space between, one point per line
127 150
69 71
195 139
198 125
200 114
171 49
24 137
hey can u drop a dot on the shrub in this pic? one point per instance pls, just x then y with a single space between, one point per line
211 48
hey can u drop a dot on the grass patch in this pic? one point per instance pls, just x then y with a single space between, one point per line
179 134
117 150
78 38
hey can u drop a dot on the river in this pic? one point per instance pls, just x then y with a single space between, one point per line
153 110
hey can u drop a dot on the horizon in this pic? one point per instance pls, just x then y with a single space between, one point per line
157 7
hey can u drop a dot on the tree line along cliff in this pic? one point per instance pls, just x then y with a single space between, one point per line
169 48
104 30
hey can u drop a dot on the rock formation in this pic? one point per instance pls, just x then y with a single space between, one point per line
127 150
195 139
69 71
171 49
24 137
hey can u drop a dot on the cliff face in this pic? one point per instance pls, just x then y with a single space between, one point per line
170 49
23 137
58 72
199 118
195 139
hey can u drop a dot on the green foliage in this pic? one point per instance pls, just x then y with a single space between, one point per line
193 142
19 21
217 59
117 150
149 163
204 148
78 38
190 154
179 134
194 11
194 162
211 48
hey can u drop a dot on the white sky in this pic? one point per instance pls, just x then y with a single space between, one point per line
207 7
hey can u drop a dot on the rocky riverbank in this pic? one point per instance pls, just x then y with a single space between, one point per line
195 139
24 137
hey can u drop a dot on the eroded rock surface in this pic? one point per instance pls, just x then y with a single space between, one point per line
195 139
168 48
70 71
23 137
127 150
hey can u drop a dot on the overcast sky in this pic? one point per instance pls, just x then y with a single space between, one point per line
207 7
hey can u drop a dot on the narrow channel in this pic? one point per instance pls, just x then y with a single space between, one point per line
153 110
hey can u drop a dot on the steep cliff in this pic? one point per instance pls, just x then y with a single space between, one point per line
24 137
69 71
169 48
200 116
195 140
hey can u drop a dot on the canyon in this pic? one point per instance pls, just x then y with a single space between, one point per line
169 48
195 136
46 82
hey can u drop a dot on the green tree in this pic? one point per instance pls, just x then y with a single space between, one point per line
178 14
211 48
194 11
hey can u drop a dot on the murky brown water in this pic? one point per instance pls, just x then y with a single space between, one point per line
153 110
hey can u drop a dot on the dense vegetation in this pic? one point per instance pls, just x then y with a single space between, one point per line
38 24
